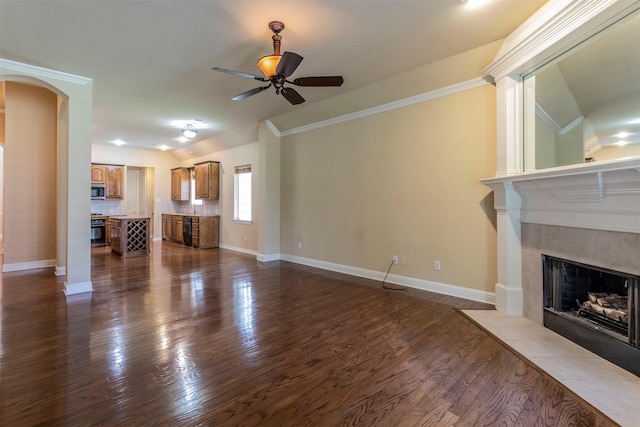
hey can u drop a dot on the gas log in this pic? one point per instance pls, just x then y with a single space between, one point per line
612 306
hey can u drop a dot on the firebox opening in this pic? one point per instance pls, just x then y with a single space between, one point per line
594 307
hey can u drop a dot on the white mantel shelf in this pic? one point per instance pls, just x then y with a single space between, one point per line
599 195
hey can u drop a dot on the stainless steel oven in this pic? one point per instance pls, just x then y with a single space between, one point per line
98 231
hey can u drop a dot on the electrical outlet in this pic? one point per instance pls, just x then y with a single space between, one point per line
246 237
403 260
395 259
299 245
436 265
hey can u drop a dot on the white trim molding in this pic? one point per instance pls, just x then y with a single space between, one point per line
238 249
425 285
31 265
554 28
60 270
427 96
600 196
77 288
32 70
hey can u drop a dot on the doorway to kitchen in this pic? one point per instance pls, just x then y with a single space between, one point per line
139 193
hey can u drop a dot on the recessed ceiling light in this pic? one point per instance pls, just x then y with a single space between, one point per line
118 142
622 134
474 3
163 147
622 143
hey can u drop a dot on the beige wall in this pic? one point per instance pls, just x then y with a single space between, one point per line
31 169
243 237
403 182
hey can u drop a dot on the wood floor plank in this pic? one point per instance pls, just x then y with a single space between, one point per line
216 338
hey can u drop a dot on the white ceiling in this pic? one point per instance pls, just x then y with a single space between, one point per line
151 60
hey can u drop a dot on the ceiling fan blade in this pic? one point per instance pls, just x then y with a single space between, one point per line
288 63
319 81
239 74
292 96
248 93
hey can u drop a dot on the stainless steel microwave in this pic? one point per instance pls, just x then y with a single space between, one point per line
97 191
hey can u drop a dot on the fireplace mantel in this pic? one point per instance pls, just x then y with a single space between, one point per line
590 198
600 195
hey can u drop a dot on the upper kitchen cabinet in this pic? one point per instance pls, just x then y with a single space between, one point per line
180 183
98 174
112 176
114 182
207 176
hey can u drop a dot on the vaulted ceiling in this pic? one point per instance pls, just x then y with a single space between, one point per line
151 60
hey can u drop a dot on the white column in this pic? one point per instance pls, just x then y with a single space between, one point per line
268 194
509 295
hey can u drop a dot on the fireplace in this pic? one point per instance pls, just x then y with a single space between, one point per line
595 307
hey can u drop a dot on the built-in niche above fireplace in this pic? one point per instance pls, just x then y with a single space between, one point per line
594 307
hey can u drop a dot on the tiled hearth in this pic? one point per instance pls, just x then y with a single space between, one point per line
608 388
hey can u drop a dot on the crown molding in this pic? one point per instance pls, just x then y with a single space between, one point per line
427 96
540 112
34 71
557 26
273 128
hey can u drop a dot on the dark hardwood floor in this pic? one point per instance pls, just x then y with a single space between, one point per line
213 337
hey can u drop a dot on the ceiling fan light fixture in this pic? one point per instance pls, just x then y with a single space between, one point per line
189 131
268 65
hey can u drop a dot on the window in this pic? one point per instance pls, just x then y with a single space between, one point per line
192 194
242 194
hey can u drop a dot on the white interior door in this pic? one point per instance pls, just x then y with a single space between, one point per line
133 192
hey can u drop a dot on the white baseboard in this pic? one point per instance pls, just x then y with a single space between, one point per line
60 271
77 288
426 285
268 257
237 249
19 266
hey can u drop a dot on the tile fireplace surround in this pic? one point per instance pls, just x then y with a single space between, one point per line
613 250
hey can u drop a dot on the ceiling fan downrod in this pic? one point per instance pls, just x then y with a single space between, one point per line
276 27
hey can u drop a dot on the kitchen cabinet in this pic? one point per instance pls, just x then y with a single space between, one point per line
205 230
207 177
172 228
166 225
180 184
98 173
114 182
112 176
176 229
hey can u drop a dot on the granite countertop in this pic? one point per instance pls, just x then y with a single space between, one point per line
129 217
199 215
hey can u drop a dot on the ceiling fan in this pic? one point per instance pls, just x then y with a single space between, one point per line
277 68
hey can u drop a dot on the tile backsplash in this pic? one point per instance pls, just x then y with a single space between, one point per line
208 207
108 207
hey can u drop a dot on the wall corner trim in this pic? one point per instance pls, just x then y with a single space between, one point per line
273 128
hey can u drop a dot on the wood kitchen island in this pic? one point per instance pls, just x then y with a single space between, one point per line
130 235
